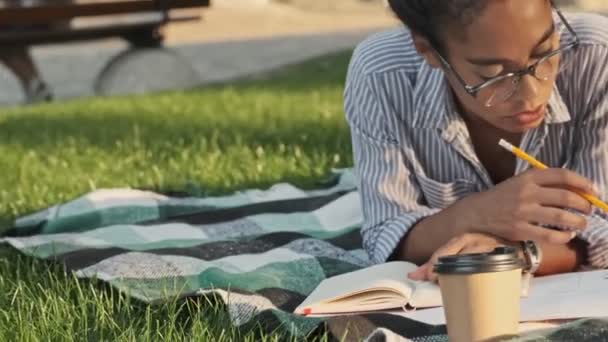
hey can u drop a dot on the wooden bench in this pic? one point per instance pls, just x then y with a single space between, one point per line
139 22
142 29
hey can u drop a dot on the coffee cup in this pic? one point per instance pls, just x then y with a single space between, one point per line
481 294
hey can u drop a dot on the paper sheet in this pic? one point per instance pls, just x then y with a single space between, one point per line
566 296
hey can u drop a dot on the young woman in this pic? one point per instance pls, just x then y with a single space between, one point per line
427 106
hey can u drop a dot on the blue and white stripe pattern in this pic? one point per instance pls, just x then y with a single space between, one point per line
413 155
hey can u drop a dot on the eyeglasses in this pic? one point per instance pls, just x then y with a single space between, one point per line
501 88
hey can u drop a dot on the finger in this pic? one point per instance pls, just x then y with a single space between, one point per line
537 233
560 218
563 178
434 277
454 246
562 198
419 273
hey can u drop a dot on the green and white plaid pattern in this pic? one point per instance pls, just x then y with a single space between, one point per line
261 251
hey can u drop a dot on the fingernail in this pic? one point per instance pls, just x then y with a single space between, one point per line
572 235
596 189
419 272
413 275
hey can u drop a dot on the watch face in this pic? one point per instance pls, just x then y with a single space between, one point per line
526 254
533 255
533 249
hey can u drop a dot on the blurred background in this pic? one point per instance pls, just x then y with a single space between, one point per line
229 39
206 43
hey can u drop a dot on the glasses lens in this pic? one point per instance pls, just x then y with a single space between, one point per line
499 91
547 68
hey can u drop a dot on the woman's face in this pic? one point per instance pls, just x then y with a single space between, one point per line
507 36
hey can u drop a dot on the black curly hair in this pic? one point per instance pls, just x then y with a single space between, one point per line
428 17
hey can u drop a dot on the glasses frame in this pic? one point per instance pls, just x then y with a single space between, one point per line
518 75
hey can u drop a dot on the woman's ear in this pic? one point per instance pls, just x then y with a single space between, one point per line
425 49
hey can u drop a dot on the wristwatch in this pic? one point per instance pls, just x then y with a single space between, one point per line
532 255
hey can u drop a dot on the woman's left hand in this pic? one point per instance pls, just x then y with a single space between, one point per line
463 244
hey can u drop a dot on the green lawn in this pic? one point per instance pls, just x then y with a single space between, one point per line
288 126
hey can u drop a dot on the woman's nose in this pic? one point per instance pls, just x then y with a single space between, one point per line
528 87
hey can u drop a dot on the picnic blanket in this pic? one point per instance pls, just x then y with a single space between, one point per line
261 251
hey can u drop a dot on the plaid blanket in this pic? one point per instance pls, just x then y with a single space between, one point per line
261 251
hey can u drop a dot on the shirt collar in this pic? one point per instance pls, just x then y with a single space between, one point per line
557 111
434 106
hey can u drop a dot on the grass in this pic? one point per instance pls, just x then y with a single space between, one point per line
288 126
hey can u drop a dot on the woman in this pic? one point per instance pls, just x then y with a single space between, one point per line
427 106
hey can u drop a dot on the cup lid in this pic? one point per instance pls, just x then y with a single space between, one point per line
499 260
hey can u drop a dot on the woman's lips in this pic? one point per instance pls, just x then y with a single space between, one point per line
525 118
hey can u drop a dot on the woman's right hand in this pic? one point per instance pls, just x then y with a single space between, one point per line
516 208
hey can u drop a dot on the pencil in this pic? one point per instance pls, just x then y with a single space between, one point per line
523 155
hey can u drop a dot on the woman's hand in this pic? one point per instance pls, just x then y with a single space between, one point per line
516 208
463 244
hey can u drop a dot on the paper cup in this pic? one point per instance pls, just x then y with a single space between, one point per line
481 294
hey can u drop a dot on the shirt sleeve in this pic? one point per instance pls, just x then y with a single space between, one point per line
390 197
590 152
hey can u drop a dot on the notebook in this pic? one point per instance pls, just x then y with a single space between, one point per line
380 287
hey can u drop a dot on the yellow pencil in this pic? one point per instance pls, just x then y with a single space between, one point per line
523 155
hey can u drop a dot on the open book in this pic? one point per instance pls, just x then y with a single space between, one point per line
379 287
386 288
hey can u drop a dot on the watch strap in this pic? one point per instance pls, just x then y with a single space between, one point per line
532 255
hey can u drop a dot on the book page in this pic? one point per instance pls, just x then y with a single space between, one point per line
567 296
426 294
569 283
369 301
391 275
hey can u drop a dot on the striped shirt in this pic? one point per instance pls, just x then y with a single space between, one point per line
412 151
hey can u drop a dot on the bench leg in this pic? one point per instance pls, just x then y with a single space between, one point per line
20 62
142 70
152 38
